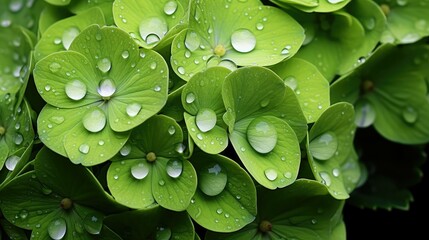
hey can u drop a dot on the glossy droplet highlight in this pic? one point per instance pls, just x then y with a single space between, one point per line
104 65
326 179
68 36
11 162
75 90
125 150
57 228
139 171
106 88
270 174
291 82
94 120
174 168
133 109
54 67
192 41
206 119
324 146
410 114
93 223
243 40
84 148
262 135
212 179
171 130
153 29
170 7
125 54
190 98
364 114
18 139
335 1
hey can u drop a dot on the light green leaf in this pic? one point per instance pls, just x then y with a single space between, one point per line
49 16
329 143
61 34
321 6
150 23
311 88
234 33
234 205
25 14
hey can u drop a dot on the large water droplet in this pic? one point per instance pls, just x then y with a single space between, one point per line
133 109
57 228
291 82
262 135
190 98
365 114
140 170
68 36
93 223
18 139
95 120
84 148
11 162
212 179
270 174
75 90
324 146
170 7
206 119
192 41
228 64
174 168
104 65
153 29
163 233
326 179
243 40
16 5
410 114
106 88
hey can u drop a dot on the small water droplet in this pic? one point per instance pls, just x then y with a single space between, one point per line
171 130
336 172
259 26
152 29
54 67
219 211
206 119
23 214
190 98
161 182
170 7
369 23
68 36
270 174
84 148
75 90
243 40
101 142
180 148
57 119
106 88
125 150
313 221
410 114
265 102
192 41
125 54
104 65
262 135
324 146
326 179
402 2
181 70
95 120
335 1
133 109
365 114
287 175
93 223
11 162
140 170
174 168
57 228
291 82
18 139
57 41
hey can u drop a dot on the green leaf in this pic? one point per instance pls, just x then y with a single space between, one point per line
406 21
232 201
302 211
202 99
150 23
21 13
174 108
311 88
12 231
106 6
59 2
50 15
218 34
61 34
157 222
152 167
322 6
329 143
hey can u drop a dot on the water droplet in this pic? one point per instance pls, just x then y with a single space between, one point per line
125 150
287 175
104 65
125 54
170 7
57 119
271 174
140 170
106 88
181 70
369 23
93 223
11 162
84 148
163 233
336 172
75 90
95 120
18 139
16 5
48 88
291 82
259 26
54 67
410 114
219 211
243 40
200 136
171 130
68 36
101 142
174 168
402 2
153 29
335 1
190 98
365 114
262 135
161 182
324 146
313 221
133 109
265 102
180 148
212 179
206 119
192 41
410 38
326 179
57 228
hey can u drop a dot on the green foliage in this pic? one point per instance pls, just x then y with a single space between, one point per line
250 119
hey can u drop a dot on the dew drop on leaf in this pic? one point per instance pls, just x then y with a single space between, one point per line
94 120
336 172
68 36
18 139
324 146
84 148
335 1
125 54
291 82
171 130
152 29
133 109
212 179
243 40
139 171
93 223
205 119
262 135
170 7
192 41
270 174
174 168
365 114
106 88
57 228
326 179
54 67
16 5
181 70
190 98
125 150
75 90
104 65
11 162
410 115
163 233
